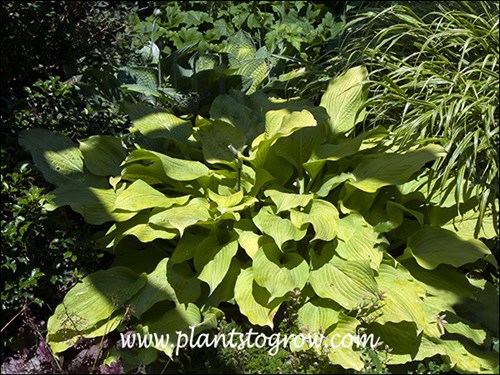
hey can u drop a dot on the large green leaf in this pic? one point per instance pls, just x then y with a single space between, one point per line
468 227
158 123
346 282
391 168
217 139
338 350
318 315
57 157
212 260
323 216
248 238
359 241
140 228
279 272
403 297
197 210
286 201
252 300
167 282
345 98
172 324
140 195
302 142
433 246
176 169
94 204
103 154
91 304
280 229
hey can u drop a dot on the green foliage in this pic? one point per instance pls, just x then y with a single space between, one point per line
435 75
193 226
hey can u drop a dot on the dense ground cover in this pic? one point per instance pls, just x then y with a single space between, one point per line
219 159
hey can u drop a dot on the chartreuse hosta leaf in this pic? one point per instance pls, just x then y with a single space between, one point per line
248 238
103 154
96 205
318 315
140 195
171 323
335 151
57 157
226 201
176 169
158 123
169 281
345 98
387 169
278 123
89 308
286 201
181 217
359 241
280 229
340 352
323 216
279 272
140 228
433 246
346 282
212 260
216 140
467 227
401 297
252 300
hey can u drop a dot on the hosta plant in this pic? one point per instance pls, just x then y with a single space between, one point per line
263 198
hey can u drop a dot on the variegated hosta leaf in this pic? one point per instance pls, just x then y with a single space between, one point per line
140 195
348 283
90 306
158 123
212 260
323 216
345 98
280 229
433 246
252 300
197 210
387 169
172 282
57 157
279 272
401 297
359 241
286 201
103 154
